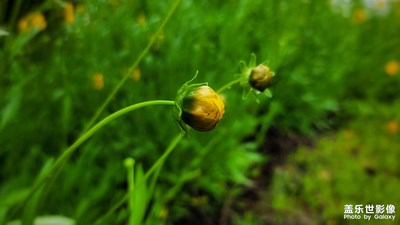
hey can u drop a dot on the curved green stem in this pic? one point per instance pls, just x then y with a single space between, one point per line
71 149
134 65
106 120
228 85
157 164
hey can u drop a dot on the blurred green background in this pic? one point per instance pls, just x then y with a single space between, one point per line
328 137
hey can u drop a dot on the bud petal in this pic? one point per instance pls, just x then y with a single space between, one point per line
202 108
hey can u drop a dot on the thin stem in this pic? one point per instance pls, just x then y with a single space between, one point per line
135 64
228 85
106 120
158 163
154 179
49 185
71 149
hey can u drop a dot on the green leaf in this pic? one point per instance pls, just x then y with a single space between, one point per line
140 197
32 206
48 220
3 32
11 109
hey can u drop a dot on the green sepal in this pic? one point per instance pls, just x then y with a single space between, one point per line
252 62
243 67
268 93
183 91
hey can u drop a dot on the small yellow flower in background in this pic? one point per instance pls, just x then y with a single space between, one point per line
39 21
31 21
392 67
141 19
23 25
359 16
98 81
69 13
136 74
392 127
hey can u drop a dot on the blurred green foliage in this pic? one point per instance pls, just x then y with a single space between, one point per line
331 65
357 165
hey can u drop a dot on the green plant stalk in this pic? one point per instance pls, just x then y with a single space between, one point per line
51 175
46 190
135 64
154 179
156 165
130 166
228 85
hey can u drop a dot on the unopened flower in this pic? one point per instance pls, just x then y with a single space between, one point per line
256 79
260 77
202 108
199 106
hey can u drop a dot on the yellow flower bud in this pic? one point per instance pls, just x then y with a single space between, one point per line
260 77
202 108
